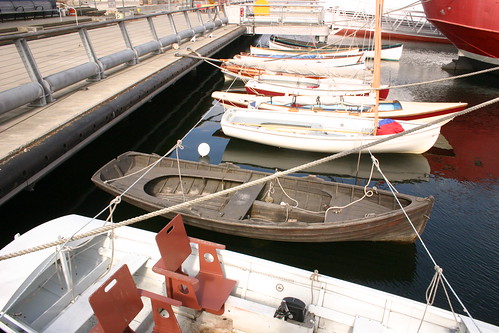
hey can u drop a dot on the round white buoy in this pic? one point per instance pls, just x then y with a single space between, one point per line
203 149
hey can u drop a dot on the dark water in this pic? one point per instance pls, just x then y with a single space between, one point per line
461 173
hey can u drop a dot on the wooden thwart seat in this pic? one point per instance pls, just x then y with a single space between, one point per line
241 201
117 302
209 289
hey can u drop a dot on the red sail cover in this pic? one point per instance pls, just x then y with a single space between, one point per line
389 126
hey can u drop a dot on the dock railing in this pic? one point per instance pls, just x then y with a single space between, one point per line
404 21
281 12
33 72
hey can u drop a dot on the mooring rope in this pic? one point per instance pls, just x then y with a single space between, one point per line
431 291
242 186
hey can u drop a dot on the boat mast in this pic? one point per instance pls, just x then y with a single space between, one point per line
377 58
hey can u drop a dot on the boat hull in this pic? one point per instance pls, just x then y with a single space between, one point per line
310 131
471 25
268 89
34 285
274 219
304 67
391 52
410 111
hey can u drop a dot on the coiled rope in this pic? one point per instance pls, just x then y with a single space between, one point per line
296 169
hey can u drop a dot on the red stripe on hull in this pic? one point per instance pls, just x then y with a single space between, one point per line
428 115
393 35
406 118
254 91
383 94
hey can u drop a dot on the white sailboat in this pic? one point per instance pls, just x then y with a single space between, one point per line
280 85
321 132
359 106
322 67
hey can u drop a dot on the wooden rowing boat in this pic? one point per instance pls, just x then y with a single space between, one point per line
294 209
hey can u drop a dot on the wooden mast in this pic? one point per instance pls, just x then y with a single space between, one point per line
377 58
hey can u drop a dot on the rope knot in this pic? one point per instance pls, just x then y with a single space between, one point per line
315 275
116 200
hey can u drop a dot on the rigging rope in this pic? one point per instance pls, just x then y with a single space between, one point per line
242 186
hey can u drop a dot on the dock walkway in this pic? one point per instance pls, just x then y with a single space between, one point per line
35 139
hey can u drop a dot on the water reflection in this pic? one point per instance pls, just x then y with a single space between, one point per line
473 155
396 167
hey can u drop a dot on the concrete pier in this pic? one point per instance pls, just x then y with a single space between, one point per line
35 140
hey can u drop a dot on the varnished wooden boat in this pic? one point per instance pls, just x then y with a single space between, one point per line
263 211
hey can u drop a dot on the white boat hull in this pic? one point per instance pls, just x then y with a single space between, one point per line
283 88
390 53
411 111
305 67
311 131
290 52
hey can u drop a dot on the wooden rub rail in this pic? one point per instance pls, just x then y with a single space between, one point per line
40 88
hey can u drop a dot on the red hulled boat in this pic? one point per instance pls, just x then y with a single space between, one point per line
471 25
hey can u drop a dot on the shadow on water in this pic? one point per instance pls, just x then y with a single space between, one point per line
396 167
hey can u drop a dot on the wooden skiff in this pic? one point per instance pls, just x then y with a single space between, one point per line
263 211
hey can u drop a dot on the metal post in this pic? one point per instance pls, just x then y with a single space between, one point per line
186 16
172 23
128 42
154 34
33 71
92 56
